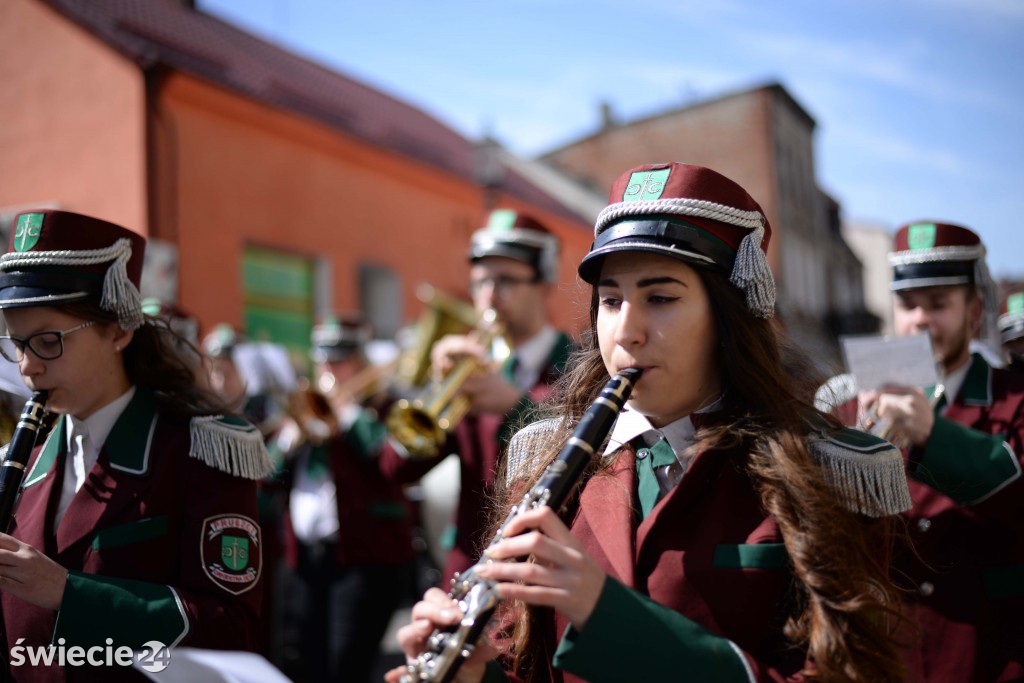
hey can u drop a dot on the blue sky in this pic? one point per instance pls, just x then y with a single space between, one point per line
919 103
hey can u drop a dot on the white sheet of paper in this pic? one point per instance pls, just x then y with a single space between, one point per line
189 665
877 360
264 367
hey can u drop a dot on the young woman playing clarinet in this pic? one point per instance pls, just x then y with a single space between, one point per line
727 531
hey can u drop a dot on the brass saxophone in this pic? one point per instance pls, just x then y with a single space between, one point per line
477 598
12 471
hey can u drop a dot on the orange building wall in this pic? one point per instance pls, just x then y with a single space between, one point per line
232 172
73 123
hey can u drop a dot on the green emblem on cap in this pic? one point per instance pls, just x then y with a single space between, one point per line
27 231
501 220
645 185
234 552
1015 304
921 236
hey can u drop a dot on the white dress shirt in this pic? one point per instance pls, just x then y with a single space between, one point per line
85 438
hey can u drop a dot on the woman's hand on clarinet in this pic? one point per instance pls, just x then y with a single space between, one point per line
561 574
30 575
437 611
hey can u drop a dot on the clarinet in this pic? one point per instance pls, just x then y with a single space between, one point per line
477 597
12 471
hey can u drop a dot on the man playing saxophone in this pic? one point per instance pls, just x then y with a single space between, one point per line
513 269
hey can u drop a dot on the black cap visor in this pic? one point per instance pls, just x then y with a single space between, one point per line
934 274
666 236
47 287
516 252
333 354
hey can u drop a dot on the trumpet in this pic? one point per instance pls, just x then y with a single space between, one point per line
443 315
360 387
421 425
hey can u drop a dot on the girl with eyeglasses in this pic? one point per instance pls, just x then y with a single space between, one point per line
137 520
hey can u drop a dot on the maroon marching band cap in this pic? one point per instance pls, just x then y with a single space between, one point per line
517 236
58 257
693 214
338 337
932 254
1011 318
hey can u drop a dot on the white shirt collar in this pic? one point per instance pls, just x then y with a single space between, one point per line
631 424
533 356
98 425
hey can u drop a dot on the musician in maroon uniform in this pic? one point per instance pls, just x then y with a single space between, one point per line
727 532
513 269
137 520
349 528
964 580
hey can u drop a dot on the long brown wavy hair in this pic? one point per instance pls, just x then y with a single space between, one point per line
846 608
160 360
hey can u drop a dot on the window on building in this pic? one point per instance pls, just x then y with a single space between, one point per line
380 299
278 294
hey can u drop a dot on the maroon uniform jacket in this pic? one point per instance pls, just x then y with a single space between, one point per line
699 589
375 518
160 547
478 441
967 524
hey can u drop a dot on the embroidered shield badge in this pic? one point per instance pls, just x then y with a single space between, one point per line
231 552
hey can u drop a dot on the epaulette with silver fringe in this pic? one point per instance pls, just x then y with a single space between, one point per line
230 445
866 472
526 444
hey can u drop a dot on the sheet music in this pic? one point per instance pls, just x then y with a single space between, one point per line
877 360
189 665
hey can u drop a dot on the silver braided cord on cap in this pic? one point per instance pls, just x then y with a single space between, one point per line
750 272
120 295
916 256
682 206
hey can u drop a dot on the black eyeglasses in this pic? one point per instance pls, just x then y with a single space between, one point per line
502 283
46 345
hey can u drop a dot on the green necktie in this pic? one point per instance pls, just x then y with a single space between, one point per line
509 367
648 458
